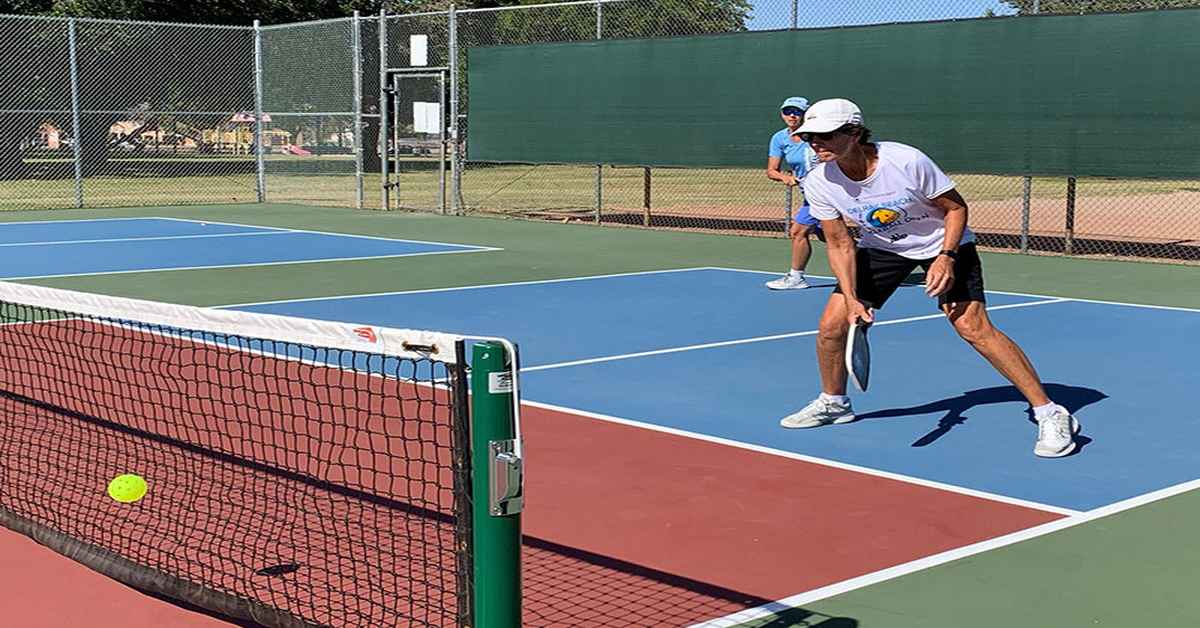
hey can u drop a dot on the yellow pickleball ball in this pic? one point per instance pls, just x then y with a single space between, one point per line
127 488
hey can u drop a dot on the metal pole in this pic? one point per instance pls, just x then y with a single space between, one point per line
497 489
1026 194
646 196
259 161
599 167
456 202
356 42
396 141
795 14
77 126
1069 240
788 199
442 141
384 183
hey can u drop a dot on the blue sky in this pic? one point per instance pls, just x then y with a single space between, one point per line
772 14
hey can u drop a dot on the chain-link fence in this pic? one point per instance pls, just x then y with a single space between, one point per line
103 113
99 113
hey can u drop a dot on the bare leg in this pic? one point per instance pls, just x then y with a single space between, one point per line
831 346
801 249
971 322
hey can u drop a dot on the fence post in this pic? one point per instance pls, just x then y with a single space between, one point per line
356 42
384 118
259 161
1069 239
76 124
1026 194
646 196
456 201
599 167
795 14
788 201
1026 191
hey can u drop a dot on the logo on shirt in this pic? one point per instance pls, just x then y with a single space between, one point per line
881 217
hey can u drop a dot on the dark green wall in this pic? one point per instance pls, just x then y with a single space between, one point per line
1104 95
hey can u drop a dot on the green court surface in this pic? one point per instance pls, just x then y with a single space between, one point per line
1131 568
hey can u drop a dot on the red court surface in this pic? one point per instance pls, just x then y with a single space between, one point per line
730 523
631 527
41 589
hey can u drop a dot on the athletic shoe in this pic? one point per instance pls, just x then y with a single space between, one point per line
1056 435
790 281
818 413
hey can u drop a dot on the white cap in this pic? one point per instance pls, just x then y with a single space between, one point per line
830 115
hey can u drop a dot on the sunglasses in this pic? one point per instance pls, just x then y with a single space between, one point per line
824 137
793 111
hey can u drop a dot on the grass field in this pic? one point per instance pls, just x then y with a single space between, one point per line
555 189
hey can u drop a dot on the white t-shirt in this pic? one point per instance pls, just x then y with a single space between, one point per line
892 207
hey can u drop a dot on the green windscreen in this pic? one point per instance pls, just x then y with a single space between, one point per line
1103 95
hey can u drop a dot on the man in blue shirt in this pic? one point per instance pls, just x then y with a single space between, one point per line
787 148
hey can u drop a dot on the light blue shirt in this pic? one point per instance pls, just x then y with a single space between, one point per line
799 156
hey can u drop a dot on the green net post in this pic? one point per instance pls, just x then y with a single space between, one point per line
496 485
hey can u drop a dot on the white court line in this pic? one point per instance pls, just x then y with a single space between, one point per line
145 238
457 288
726 343
845 586
1014 294
825 462
330 233
70 220
301 261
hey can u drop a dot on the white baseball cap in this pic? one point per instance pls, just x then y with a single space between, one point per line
830 115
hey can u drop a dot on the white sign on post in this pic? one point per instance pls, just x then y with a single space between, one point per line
418 50
427 117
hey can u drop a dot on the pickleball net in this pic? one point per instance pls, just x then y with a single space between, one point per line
301 472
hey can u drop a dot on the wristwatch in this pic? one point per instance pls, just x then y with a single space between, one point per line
949 253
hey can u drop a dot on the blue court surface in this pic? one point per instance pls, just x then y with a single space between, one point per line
720 355
74 247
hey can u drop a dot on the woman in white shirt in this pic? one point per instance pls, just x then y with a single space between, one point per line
910 215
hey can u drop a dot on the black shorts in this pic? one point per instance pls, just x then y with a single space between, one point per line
881 272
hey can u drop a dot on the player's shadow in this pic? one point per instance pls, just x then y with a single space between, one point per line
1073 398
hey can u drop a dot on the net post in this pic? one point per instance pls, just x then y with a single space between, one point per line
496 486
259 161
76 125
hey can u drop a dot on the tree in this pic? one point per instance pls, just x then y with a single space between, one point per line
1025 7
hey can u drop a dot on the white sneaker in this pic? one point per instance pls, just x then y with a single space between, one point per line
818 413
1056 435
790 281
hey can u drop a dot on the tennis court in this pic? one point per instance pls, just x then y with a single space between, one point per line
660 490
